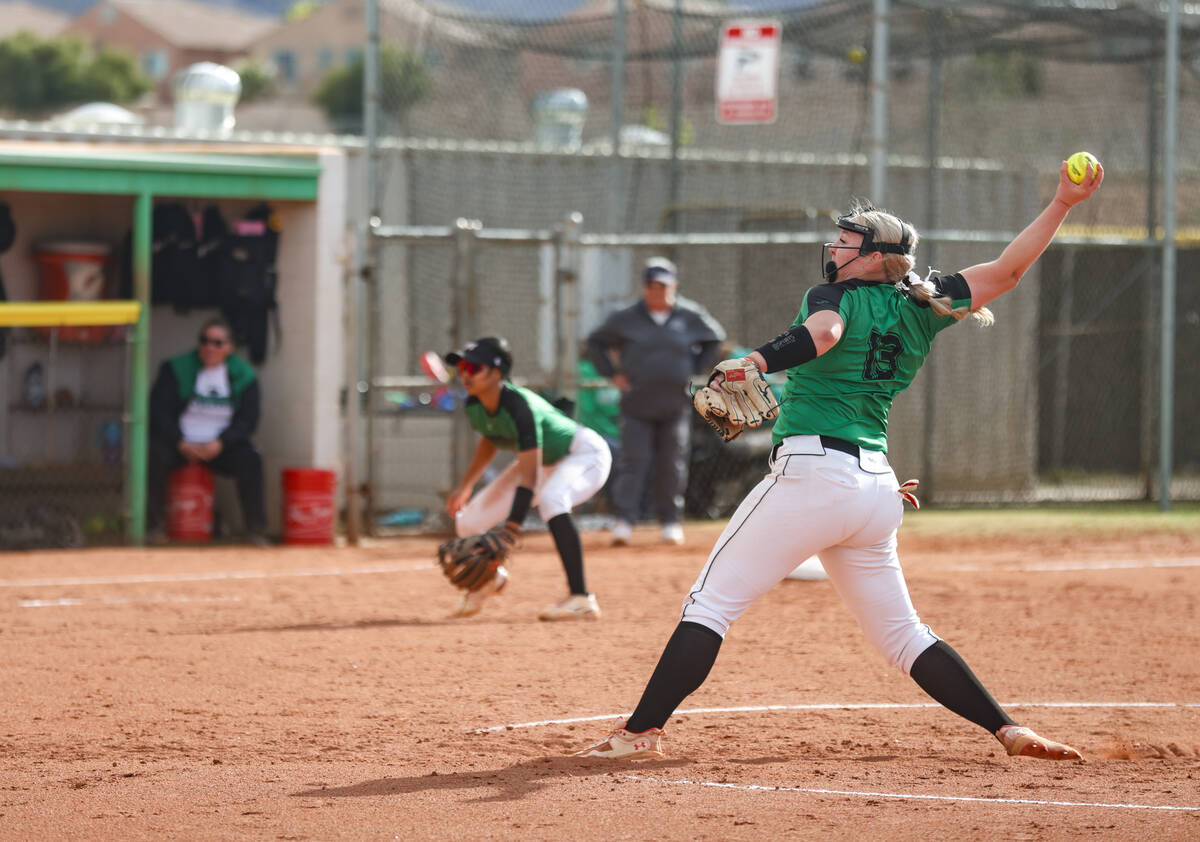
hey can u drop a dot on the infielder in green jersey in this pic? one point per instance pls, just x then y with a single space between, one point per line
859 340
559 465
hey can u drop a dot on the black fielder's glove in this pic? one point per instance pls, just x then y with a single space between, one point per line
470 563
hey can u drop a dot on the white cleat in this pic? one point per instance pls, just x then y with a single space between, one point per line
1023 742
472 601
621 533
672 533
575 607
626 745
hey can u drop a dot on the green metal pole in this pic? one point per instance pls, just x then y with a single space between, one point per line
139 386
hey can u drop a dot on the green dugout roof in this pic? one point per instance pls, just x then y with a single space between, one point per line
76 168
145 173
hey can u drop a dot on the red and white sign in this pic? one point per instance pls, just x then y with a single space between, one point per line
748 71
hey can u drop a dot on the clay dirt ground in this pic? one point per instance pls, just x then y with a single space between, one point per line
231 693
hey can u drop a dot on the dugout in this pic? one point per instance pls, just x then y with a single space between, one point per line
61 191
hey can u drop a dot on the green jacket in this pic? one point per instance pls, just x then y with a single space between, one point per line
175 387
187 365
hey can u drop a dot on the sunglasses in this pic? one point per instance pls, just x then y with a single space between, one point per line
469 368
209 340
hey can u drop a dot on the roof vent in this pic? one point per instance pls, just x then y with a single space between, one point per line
558 117
205 94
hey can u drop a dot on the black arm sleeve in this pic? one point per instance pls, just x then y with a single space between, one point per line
245 418
953 286
791 348
522 417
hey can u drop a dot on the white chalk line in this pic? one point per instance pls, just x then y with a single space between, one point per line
828 706
68 602
910 796
216 576
1064 566
408 567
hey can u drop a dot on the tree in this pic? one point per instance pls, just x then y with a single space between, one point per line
37 76
1008 74
115 77
258 80
403 82
299 10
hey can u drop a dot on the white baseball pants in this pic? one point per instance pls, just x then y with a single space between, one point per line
561 487
815 501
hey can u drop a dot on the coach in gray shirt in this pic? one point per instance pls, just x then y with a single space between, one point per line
650 350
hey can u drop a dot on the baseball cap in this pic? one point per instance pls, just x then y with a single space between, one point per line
661 270
489 350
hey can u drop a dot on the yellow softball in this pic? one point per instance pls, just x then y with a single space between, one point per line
1077 166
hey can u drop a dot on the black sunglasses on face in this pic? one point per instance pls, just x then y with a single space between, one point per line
209 340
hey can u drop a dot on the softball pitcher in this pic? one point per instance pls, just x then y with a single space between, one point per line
859 340
559 465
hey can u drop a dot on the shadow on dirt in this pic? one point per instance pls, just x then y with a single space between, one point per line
398 622
510 783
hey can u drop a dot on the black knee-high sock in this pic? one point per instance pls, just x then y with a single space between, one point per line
943 674
690 654
566 541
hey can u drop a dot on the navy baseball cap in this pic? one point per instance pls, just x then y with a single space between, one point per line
490 350
660 270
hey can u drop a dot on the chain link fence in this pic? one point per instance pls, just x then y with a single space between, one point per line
1058 402
1018 83
62 478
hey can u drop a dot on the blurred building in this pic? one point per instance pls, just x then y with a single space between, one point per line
169 35
19 16
471 65
303 51
576 51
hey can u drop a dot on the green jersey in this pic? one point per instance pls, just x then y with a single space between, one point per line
847 392
598 408
523 420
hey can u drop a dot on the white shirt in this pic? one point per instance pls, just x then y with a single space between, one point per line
210 409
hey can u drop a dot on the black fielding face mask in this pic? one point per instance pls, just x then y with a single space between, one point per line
830 269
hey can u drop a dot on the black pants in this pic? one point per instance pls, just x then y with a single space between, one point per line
240 461
655 454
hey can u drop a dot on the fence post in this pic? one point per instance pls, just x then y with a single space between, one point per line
1166 411
1062 361
462 321
566 286
357 273
1151 336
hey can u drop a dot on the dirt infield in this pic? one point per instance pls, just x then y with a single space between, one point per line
231 693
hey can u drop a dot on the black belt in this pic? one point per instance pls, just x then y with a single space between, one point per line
829 443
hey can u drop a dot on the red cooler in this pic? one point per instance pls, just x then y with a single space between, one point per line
309 505
190 503
74 272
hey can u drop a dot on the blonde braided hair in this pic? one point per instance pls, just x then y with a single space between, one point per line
898 268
